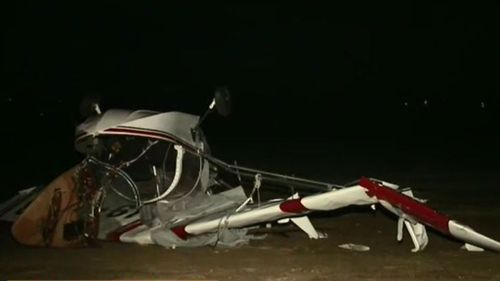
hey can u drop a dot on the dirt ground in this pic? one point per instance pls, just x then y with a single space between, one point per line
289 255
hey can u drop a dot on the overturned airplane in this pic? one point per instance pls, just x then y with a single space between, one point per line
149 178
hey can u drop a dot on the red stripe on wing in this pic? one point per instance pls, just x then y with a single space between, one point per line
408 205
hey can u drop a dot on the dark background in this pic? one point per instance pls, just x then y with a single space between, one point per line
342 89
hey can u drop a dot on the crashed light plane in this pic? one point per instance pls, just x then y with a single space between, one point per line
149 178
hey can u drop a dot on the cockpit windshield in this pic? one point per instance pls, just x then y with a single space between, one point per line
144 170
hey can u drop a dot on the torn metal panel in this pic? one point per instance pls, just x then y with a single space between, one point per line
11 209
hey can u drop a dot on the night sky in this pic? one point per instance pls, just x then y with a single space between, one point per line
403 75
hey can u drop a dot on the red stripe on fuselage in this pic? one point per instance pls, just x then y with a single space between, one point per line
181 232
293 206
408 205
141 132
115 235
